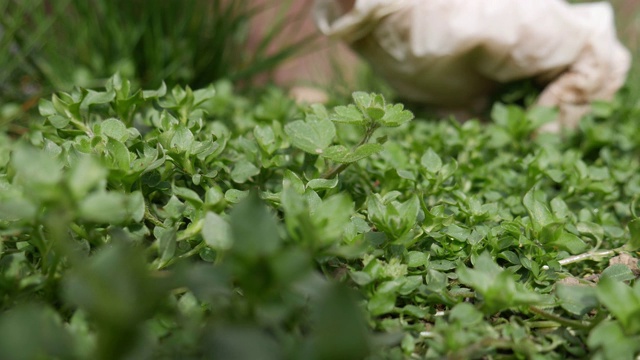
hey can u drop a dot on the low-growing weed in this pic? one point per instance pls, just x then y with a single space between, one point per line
195 224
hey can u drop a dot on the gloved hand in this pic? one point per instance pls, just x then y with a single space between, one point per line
453 54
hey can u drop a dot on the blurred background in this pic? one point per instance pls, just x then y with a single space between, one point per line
57 44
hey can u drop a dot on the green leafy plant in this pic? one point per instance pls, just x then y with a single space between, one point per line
182 223
316 134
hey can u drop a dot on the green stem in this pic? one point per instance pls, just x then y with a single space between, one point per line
79 230
333 172
80 125
191 231
481 347
559 319
543 324
186 255
151 218
592 255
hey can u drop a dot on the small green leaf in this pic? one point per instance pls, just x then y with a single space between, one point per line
458 233
114 287
114 129
375 113
119 154
154 94
341 154
619 272
59 121
448 170
16 208
361 278
577 299
46 108
592 229
381 303
497 286
318 184
235 196
340 331
136 206
500 114
483 273
148 160
622 301
107 208
416 259
31 331
202 95
465 314
254 229
569 242
115 82
348 115
166 243
85 175
332 216
182 139
362 100
216 232
266 138
174 208
560 208
36 168
95 98
187 194
395 115
540 115
608 341
408 210
213 196
539 213
291 180
431 161
243 171
318 111
312 136
65 105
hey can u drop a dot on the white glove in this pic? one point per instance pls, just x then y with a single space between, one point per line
453 54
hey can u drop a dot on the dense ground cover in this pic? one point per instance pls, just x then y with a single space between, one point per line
199 224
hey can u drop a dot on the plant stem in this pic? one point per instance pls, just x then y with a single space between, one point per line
188 254
191 231
592 255
80 125
333 172
560 320
481 347
543 324
151 218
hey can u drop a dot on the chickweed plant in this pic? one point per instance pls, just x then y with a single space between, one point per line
180 223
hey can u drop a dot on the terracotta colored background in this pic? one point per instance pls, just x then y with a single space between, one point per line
317 64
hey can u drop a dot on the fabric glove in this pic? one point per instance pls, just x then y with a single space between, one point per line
453 54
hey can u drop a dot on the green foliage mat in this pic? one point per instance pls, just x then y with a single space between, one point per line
198 224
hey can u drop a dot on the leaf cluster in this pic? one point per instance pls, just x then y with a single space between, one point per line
198 223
